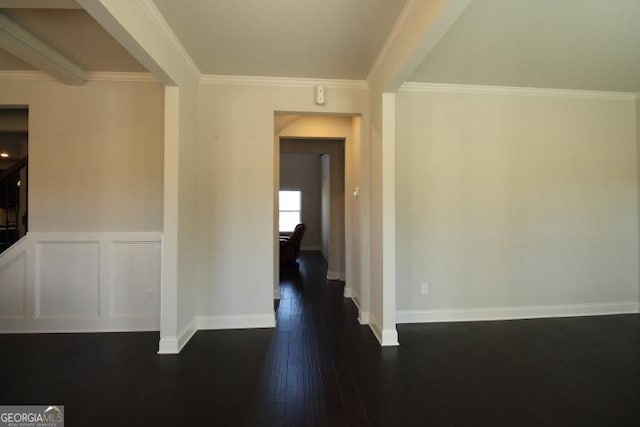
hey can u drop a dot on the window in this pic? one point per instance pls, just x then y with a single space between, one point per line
290 203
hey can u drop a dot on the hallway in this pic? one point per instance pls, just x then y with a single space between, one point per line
308 377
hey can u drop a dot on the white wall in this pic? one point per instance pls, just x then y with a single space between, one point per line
237 166
325 181
95 154
516 205
302 172
91 260
140 28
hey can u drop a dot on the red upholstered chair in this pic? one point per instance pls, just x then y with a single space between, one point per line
290 246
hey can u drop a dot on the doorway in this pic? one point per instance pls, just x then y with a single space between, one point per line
14 135
327 148
312 169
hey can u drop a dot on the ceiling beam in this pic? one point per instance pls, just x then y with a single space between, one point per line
420 26
29 48
39 4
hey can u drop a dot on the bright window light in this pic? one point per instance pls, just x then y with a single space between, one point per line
290 206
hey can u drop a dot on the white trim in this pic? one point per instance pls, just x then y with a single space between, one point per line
187 333
397 26
135 236
388 171
103 319
165 28
363 316
6 262
13 252
26 46
333 275
389 338
94 76
78 324
276 293
348 293
119 76
374 325
168 346
246 321
294 82
511 90
173 345
386 337
39 4
375 329
342 277
511 313
25 75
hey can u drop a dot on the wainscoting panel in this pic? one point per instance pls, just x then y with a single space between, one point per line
68 280
13 285
81 282
135 278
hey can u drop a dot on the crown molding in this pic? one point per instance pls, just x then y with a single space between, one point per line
25 75
511 90
118 76
214 79
98 76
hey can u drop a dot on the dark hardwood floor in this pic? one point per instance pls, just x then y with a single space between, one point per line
319 367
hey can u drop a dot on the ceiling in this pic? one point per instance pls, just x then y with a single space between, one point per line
285 38
71 32
568 44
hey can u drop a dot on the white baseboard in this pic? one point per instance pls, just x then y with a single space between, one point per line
347 292
276 293
168 345
512 313
187 333
333 275
79 325
173 345
389 338
363 316
377 331
237 321
386 337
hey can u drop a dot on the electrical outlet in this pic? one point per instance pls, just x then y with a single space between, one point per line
149 295
424 289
